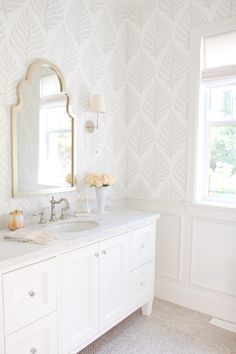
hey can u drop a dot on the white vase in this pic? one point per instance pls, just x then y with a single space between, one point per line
102 194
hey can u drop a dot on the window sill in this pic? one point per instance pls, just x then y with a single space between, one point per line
215 204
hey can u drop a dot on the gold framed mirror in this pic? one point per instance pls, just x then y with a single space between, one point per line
42 133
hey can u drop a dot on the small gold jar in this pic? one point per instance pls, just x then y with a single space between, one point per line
16 220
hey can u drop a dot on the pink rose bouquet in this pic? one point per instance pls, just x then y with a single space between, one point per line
101 180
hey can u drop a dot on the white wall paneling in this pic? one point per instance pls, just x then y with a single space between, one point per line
169 246
195 257
213 255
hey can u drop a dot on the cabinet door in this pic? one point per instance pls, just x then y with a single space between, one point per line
114 279
80 296
38 338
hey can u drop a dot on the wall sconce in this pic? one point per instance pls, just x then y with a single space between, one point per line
97 105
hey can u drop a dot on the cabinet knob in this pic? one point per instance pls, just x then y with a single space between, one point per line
104 251
31 293
96 254
141 283
142 245
33 350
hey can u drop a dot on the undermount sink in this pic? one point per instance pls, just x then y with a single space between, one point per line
74 226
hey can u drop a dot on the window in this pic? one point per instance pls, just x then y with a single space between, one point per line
54 133
217 119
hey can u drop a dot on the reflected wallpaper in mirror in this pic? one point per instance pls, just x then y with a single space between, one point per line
42 135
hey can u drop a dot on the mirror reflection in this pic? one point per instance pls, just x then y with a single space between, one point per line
42 134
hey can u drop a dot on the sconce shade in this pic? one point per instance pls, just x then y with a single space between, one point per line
98 104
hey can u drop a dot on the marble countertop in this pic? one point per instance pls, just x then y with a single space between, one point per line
15 254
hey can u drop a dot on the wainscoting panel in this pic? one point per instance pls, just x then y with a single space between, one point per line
195 256
168 246
213 255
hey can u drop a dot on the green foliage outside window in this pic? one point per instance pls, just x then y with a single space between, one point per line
223 153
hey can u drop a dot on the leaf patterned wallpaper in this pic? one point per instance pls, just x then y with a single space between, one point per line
140 62
158 80
85 40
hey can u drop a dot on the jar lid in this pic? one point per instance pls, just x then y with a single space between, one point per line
16 212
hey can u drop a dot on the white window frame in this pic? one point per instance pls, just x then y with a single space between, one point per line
195 140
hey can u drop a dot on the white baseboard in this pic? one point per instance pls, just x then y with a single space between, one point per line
195 299
223 324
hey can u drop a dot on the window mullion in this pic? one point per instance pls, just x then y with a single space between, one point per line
221 123
206 159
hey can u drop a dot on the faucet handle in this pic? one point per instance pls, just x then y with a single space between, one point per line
42 217
52 200
63 213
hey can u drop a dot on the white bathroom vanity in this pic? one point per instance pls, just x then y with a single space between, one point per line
56 299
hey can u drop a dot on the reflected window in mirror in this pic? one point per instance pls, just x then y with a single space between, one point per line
42 134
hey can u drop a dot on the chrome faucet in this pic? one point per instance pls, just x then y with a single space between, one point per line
53 208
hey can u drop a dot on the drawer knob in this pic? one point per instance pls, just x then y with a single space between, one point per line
96 254
31 293
141 284
104 251
142 245
33 350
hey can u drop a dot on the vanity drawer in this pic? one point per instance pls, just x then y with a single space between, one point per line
142 288
37 338
143 245
29 294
